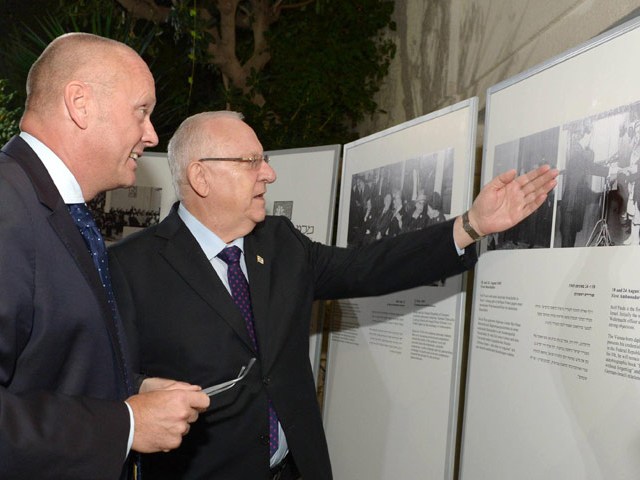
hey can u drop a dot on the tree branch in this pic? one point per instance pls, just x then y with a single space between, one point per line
222 49
146 9
278 5
262 19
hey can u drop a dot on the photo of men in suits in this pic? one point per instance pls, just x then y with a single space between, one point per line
396 198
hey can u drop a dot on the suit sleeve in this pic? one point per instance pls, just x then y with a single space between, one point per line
406 261
126 306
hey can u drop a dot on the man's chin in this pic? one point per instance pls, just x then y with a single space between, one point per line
127 180
259 217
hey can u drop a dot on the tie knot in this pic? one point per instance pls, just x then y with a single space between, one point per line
81 214
230 255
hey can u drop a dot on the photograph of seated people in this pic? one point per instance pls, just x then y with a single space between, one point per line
399 197
218 283
70 405
122 216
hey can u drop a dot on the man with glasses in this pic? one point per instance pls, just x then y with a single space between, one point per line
182 288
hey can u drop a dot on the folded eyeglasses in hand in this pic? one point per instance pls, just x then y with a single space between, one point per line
224 386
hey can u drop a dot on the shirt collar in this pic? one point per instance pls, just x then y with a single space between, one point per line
62 177
210 243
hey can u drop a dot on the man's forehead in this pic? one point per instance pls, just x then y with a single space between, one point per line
229 133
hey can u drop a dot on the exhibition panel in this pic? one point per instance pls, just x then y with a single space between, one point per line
393 367
554 359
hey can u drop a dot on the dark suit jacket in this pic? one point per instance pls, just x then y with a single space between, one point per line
60 375
186 326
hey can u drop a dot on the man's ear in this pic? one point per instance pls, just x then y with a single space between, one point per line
76 100
198 178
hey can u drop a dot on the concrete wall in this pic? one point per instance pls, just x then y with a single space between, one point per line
450 50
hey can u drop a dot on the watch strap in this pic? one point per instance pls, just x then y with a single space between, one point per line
468 228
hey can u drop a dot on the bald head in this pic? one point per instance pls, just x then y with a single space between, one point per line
74 56
89 99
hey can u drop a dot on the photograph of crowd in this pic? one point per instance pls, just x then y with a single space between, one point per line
121 212
400 197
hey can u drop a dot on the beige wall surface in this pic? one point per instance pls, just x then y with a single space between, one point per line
450 50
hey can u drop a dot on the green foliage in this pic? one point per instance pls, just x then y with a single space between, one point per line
10 113
104 18
101 17
327 64
328 60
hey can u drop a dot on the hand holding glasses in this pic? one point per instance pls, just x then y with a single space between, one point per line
224 386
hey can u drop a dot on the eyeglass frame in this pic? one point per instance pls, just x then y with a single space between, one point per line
253 160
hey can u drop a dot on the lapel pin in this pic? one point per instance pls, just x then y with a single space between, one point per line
260 259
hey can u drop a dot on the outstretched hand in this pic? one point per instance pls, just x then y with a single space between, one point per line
506 201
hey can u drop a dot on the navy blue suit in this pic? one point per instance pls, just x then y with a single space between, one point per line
62 414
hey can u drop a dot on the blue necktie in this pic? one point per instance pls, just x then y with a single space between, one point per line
242 298
93 239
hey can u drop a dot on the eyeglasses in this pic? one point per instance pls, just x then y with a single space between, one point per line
254 161
221 387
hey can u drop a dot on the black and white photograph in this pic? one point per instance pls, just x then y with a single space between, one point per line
121 212
597 200
283 208
523 155
400 197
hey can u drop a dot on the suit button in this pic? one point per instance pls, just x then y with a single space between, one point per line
266 380
264 439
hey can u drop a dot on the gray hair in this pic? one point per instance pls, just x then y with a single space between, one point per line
190 142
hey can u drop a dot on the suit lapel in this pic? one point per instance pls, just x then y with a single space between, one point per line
59 218
184 254
258 260
62 223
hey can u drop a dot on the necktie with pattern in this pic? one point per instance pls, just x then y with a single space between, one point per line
242 298
95 243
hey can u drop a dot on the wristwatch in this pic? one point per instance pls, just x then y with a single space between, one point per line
468 228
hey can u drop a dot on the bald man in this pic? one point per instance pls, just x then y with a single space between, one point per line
70 406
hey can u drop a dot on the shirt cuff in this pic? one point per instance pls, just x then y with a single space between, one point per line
131 430
460 250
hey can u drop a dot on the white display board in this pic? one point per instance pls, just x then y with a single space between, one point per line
393 367
123 211
153 171
554 360
305 192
